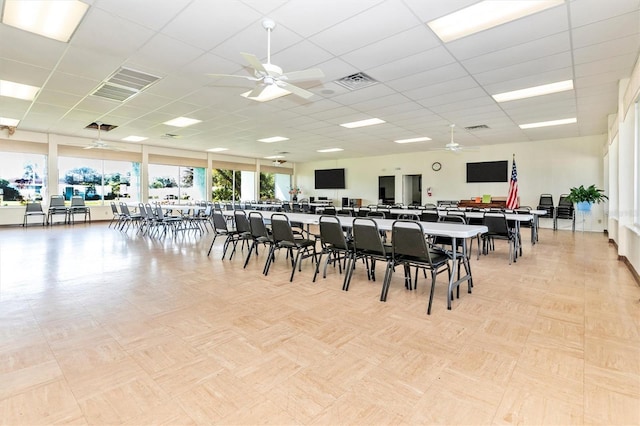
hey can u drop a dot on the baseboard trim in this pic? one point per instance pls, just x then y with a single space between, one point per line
633 271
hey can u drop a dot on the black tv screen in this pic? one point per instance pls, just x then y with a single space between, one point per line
330 179
488 171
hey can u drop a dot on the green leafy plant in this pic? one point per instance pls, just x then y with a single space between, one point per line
591 195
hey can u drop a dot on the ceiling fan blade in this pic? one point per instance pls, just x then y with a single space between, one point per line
246 77
310 74
295 90
257 91
254 62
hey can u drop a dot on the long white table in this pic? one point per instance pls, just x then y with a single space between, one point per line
443 229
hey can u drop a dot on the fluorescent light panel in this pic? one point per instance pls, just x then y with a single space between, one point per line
18 90
484 15
549 123
217 149
11 122
182 122
270 93
545 89
331 150
422 139
363 123
273 139
53 19
274 157
134 138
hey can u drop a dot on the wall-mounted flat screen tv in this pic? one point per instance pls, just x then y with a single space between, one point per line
330 179
488 171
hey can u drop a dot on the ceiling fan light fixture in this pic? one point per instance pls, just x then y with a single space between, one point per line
269 93
484 15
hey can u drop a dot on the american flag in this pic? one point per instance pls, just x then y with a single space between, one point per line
512 199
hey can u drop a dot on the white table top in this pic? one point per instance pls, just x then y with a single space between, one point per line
445 229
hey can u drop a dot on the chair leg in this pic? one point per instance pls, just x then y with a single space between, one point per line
433 287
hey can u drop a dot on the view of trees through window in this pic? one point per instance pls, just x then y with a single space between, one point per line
22 177
98 180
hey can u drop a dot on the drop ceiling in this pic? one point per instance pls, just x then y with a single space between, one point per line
423 85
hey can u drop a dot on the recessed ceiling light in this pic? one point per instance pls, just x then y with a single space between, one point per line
549 123
273 139
182 122
484 15
363 123
134 138
422 139
217 149
269 93
331 150
11 122
274 157
17 90
53 19
530 92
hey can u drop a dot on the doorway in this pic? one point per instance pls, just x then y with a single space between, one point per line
386 189
412 190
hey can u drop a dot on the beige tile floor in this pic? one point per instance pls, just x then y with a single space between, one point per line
100 327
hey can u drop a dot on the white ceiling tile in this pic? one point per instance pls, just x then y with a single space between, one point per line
595 52
139 11
528 68
434 58
606 30
585 12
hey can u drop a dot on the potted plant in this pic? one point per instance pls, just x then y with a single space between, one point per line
585 197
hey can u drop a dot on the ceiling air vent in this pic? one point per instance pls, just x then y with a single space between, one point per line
356 81
123 84
478 127
103 126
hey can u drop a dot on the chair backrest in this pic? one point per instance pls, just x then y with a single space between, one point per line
430 206
143 211
344 212
331 232
114 209
34 208
429 216
377 213
409 216
281 228
454 218
409 242
56 201
496 223
149 211
564 201
125 210
242 223
258 228
362 211
546 200
329 211
77 201
219 221
366 236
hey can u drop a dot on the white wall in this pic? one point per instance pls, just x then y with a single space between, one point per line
551 166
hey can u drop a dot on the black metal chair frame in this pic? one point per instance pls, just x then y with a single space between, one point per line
284 239
334 244
410 249
32 210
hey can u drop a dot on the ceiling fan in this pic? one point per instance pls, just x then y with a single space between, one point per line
99 143
453 146
278 163
270 75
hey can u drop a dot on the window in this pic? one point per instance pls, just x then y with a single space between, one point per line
98 180
176 183
232 185
22 177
